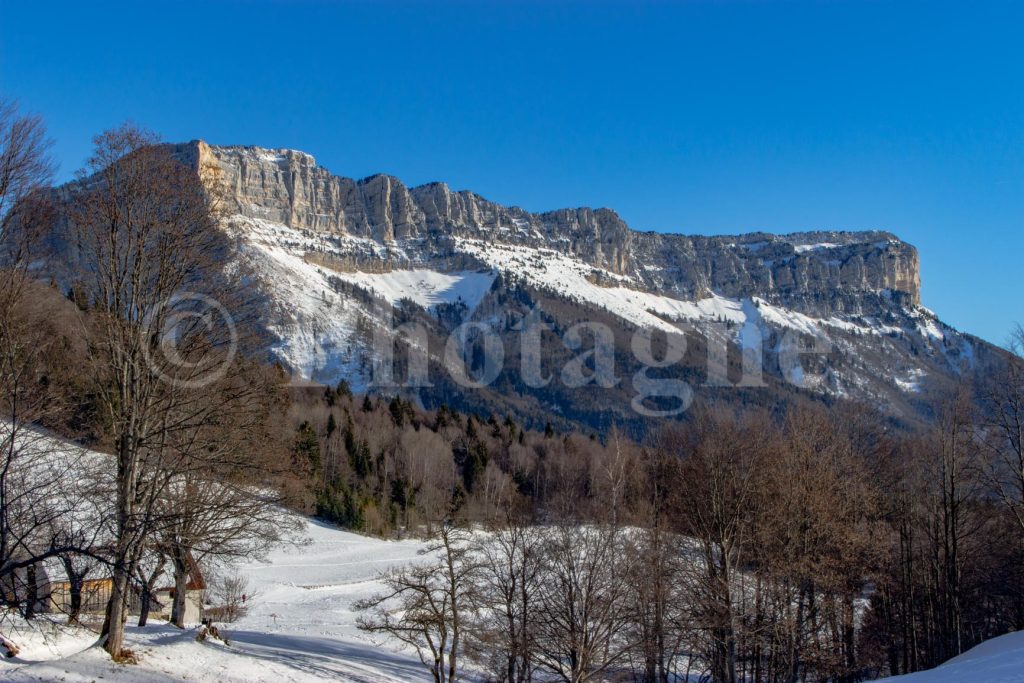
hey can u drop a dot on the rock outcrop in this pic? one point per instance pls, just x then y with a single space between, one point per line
819 273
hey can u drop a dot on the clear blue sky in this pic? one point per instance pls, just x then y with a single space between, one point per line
702 117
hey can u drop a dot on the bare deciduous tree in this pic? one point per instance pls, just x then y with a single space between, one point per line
1002 429
717 499
204 518
46 510
26 169
148 571
231 594
661 616
428 605
146 237
511 558
579 628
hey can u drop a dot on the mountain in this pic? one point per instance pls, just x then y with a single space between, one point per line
818 273
336 257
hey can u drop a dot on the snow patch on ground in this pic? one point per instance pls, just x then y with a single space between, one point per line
930 328
999 660
911 382
803 248
425 287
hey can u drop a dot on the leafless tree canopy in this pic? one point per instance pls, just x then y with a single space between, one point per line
427 605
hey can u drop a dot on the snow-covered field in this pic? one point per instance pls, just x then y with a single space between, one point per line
300 626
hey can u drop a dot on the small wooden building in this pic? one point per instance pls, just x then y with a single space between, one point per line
194 591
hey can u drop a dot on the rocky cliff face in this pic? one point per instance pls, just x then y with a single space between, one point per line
818 273
328 255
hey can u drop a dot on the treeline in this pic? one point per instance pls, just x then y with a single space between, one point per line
817 545
381 466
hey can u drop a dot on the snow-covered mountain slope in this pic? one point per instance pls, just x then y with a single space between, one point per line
574 279
318 326
300 626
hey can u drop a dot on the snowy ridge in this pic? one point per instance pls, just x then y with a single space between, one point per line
574 279
326 243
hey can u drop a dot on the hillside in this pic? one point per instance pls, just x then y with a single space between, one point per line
301 627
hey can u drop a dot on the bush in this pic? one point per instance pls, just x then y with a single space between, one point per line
230 596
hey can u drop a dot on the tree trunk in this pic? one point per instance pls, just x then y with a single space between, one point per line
31 591
849 637
180 561
796 637
728 626
75 588
144 604
117 613
454 593
148 584
75 582
112 633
